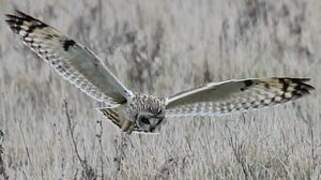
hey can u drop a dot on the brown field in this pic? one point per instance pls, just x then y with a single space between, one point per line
162 47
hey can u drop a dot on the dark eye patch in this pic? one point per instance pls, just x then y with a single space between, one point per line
144 120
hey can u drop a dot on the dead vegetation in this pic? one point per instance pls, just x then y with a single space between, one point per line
3 172
161 47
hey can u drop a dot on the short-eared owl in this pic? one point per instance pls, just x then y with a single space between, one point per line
145 113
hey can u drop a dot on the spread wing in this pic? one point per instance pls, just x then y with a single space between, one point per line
74 62
236 95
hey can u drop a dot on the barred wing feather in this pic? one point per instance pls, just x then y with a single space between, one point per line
74 62
236 95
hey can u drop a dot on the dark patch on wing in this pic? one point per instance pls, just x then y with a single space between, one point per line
68 43
248 83
301 89
285 84
262 101
273 99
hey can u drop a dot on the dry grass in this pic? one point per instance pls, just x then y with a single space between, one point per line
162 47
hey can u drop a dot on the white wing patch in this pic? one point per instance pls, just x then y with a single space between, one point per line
236 95
74 62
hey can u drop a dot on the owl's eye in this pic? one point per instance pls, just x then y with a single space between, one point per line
144 120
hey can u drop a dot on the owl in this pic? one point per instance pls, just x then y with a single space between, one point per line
137 112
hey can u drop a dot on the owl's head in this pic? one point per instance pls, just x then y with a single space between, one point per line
148 122
149 112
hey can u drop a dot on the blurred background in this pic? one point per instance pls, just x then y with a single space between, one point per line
53 131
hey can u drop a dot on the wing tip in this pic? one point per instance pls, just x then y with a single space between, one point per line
300 85
303 87
302 82
16 20
19 14
13 22
298 81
